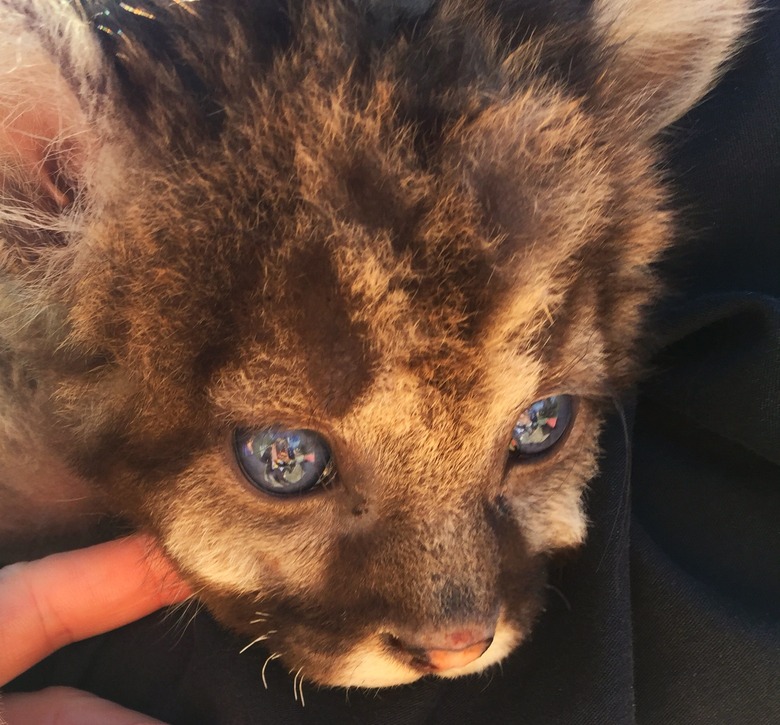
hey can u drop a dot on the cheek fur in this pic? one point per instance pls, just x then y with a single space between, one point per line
232 538
546 497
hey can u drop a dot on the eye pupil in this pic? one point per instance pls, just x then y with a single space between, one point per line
283 461
541 426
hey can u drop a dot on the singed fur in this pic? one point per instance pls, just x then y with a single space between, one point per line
397 231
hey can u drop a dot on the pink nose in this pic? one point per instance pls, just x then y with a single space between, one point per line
445 650
449 659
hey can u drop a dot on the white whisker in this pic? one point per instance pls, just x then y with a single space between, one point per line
182 615
272 656
295 684
261 638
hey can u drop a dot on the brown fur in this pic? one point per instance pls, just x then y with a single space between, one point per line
352 234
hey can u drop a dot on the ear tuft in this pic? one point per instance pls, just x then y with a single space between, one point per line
41 153
665 54
47 57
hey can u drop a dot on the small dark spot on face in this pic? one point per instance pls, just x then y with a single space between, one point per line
357 503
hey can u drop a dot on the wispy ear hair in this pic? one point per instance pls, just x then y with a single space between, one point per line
50 63
52 78
665 55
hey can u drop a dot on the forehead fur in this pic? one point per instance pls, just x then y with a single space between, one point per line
392 211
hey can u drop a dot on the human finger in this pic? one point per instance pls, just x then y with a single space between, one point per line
62 598
66 706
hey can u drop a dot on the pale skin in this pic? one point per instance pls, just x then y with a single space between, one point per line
49 603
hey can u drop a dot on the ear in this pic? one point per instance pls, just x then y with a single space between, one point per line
664 55
48 60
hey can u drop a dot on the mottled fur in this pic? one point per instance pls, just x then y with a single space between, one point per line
399 232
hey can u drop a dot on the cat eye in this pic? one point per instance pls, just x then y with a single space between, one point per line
541 426
284 461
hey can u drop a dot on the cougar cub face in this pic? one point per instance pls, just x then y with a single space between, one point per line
331 304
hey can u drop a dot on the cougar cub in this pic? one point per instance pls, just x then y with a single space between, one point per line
328 296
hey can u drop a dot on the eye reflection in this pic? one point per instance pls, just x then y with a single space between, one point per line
541 426
283 461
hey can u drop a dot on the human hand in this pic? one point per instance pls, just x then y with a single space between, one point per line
63 598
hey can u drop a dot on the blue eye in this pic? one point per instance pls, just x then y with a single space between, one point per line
284 461
541 426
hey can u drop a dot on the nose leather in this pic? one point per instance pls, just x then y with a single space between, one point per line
448 649
449 659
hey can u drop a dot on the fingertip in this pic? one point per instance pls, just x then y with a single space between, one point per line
53 601
169 584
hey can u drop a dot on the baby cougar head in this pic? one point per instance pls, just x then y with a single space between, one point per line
334 296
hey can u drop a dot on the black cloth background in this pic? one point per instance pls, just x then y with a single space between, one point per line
671 613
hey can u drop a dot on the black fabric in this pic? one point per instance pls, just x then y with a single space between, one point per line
671 613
